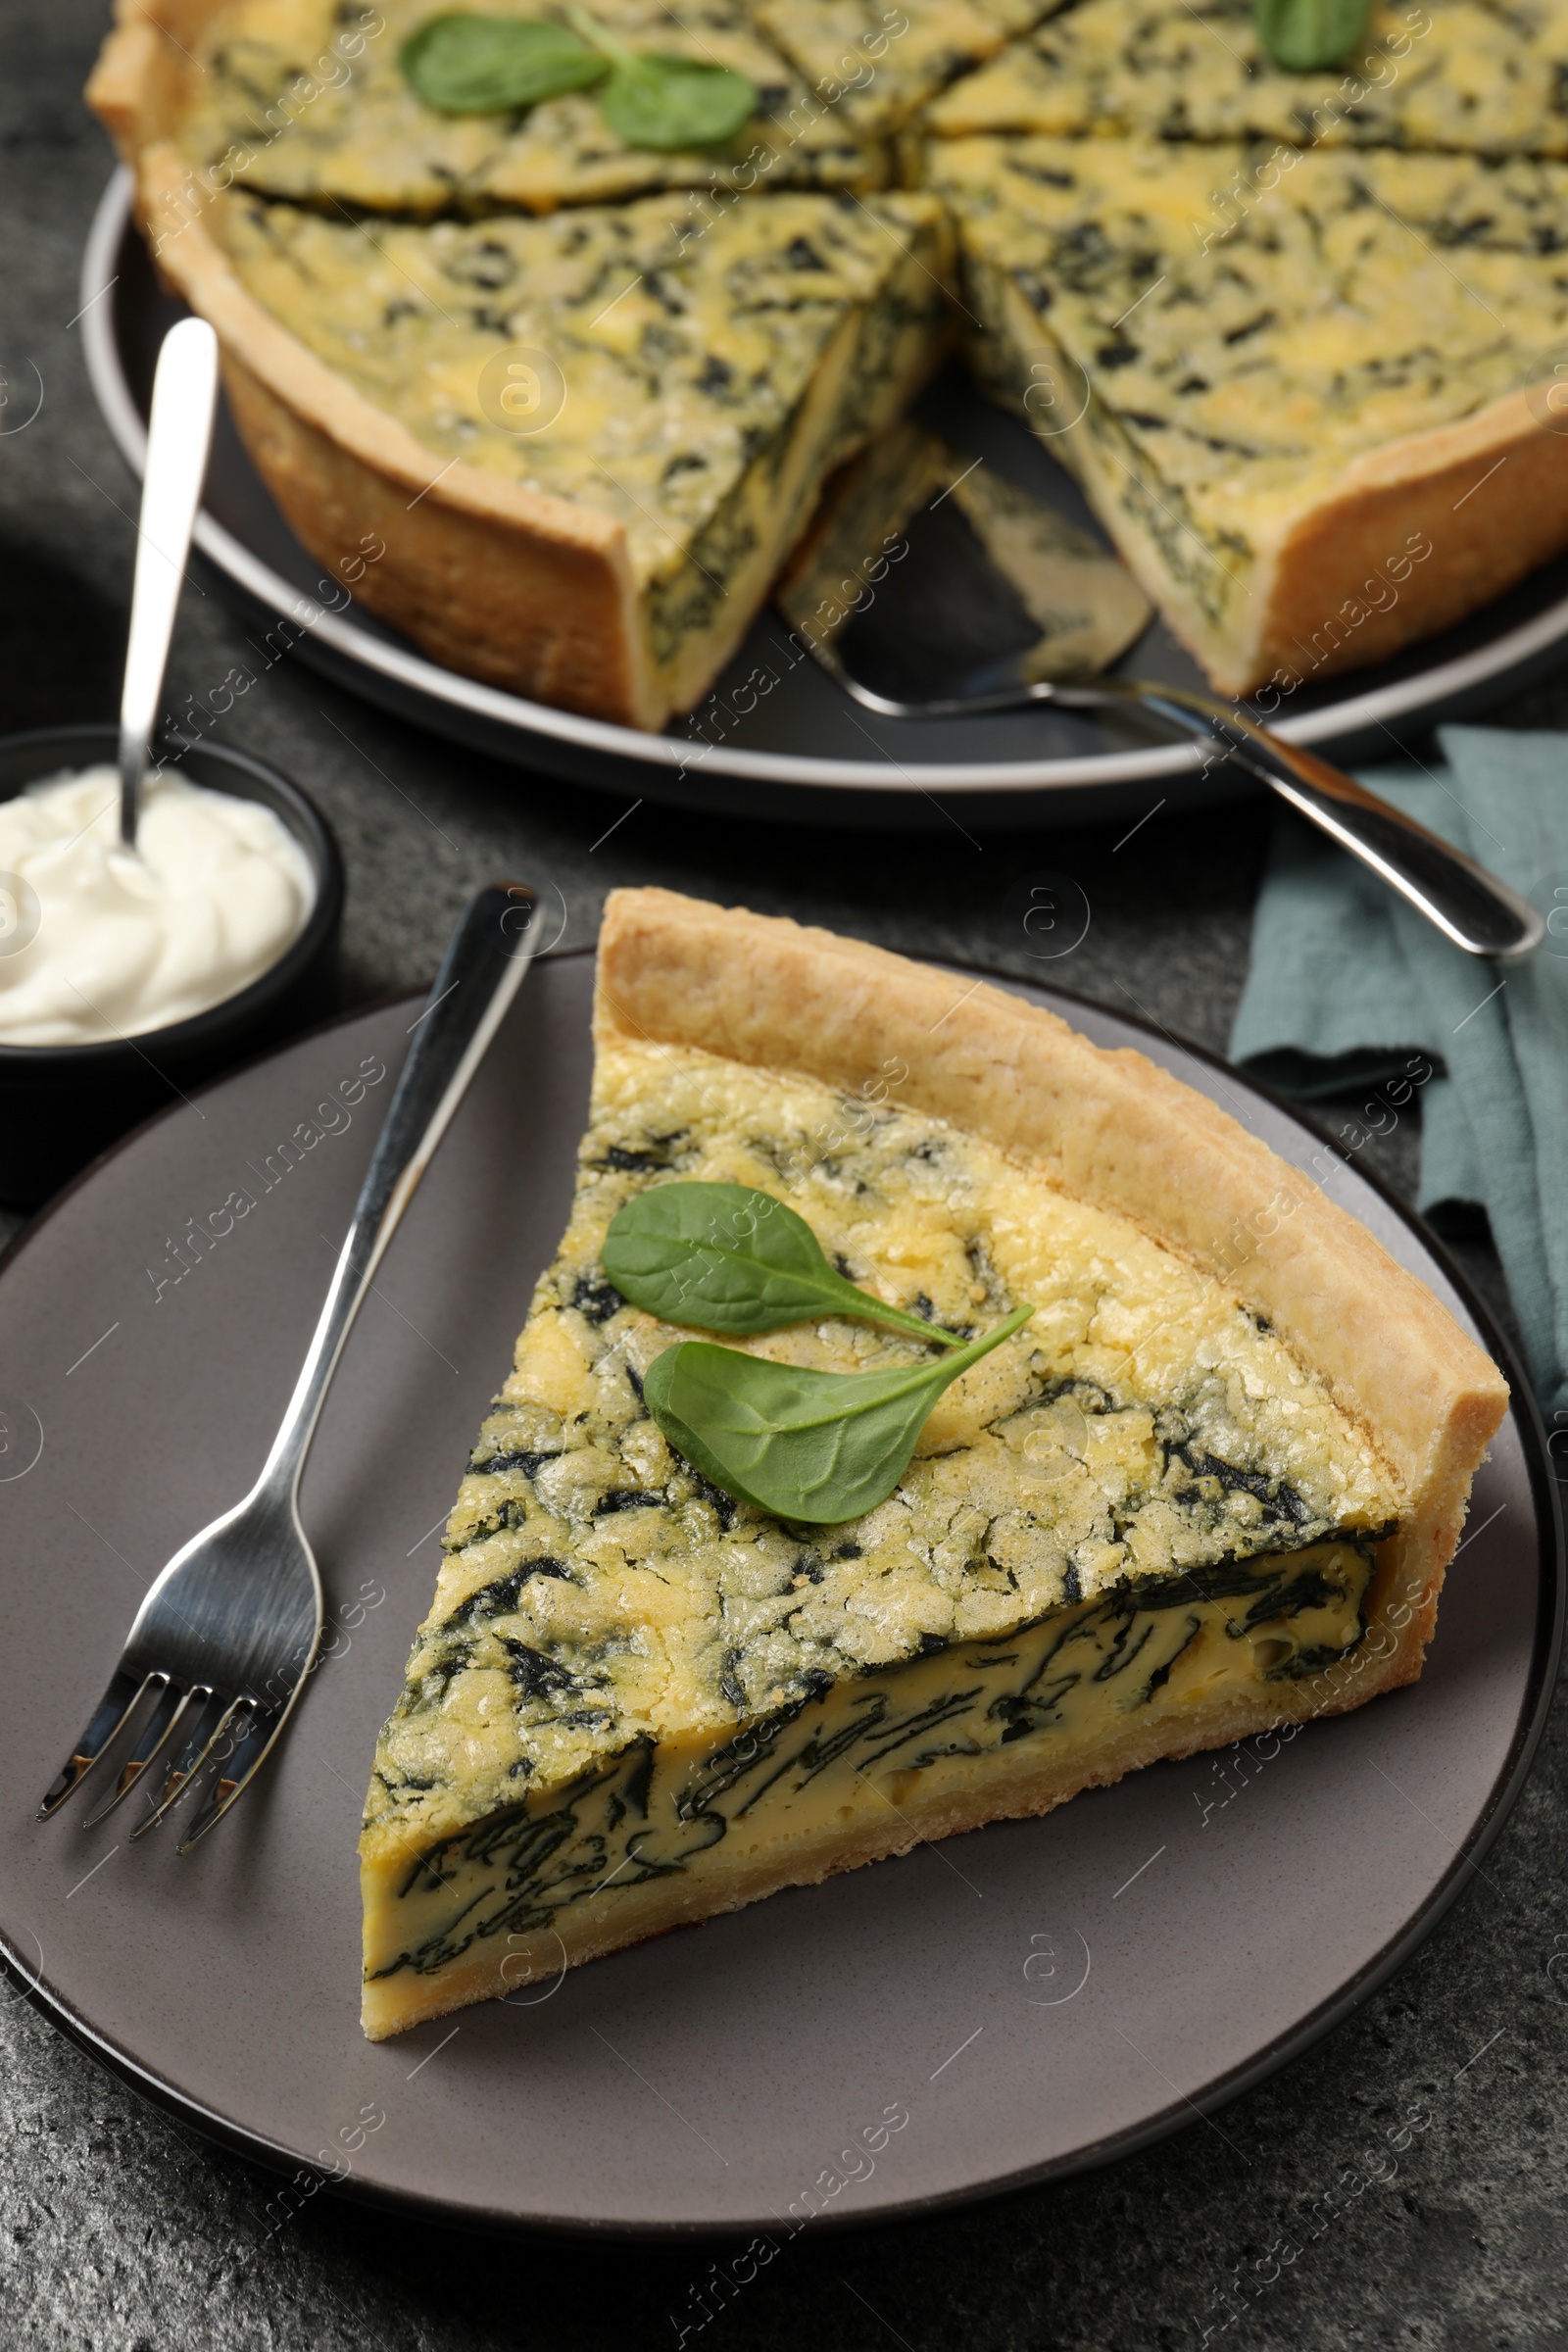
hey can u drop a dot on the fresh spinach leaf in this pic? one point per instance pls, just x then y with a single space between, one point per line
672 102
726 1257
1305 36
668 102
463 65
820 1446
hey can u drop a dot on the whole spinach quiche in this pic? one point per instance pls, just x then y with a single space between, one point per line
1206 1481
504 289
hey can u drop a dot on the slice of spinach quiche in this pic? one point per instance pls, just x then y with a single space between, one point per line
1468 77
693 388
1212 1485
1311 434
277 103
879 62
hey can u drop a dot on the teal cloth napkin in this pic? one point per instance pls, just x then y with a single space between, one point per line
1349 988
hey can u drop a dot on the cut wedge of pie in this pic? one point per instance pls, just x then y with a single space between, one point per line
631 415
1471 78
307 99
876 61
1210 1487
1311 438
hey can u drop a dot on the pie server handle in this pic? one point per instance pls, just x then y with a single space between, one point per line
1469 906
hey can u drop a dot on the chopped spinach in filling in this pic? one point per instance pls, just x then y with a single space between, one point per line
642 1813
307 100
1224 329
695 381
1142 1447
1472 77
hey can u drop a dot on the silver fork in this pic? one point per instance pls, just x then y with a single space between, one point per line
226 1637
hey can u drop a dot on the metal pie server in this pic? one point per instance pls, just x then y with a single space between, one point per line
1480 913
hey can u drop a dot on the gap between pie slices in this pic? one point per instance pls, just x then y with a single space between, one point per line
1211 1487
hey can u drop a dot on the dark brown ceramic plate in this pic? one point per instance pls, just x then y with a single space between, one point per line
1033 1998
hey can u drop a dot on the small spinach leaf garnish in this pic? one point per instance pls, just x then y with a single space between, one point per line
667 103
468 64
817 1446
1305 36
727 1258
464 65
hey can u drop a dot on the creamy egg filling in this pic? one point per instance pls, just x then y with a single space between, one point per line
695 374
1139 1504
780 1794
1469 77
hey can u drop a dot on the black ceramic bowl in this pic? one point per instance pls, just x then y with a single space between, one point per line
61 1104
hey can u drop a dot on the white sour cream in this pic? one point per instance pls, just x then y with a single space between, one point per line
98 943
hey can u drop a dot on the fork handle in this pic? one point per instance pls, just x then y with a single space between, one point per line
480 974
1473 907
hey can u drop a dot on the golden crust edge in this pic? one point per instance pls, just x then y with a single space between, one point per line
484 567
193 260
674 970
1490 495
1317 586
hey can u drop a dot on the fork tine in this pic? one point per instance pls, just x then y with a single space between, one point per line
170 1705
188 1763
109 1718
248 1758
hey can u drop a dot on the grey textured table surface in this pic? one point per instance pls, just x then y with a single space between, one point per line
121 2229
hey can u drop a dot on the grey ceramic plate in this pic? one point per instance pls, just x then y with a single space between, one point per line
1034 1997
798 751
